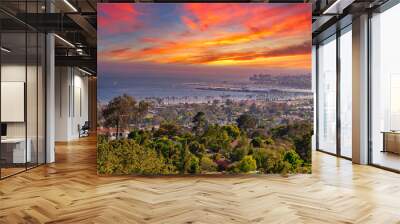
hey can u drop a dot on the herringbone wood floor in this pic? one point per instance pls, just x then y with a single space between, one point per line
69 191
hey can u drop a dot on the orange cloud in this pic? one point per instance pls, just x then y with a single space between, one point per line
122 54
209 57
292 25
265 57
302 61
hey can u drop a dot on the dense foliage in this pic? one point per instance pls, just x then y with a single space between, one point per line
209 148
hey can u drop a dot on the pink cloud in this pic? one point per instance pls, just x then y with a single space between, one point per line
117 18
205 16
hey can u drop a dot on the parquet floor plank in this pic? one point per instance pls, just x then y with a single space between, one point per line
70 191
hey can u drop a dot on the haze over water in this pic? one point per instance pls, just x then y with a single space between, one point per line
142 86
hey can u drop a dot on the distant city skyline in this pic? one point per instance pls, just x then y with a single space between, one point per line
203 39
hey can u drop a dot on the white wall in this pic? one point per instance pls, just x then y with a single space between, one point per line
314 89
62 82
12 73
13 101
71 102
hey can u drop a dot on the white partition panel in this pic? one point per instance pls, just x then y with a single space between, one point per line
12 101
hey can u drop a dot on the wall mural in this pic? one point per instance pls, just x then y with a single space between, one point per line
204 88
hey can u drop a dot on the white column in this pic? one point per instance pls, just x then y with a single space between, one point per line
50 99
50 92
360 90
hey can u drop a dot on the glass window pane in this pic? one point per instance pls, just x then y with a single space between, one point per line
346 93
31 97
13 86
327 96
32 88
385 84
41 98
23 90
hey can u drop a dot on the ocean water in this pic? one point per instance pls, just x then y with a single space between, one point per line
141 87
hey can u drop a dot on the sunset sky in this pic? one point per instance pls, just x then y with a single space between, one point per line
204 38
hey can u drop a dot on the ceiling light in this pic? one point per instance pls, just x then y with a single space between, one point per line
70 5
65 41
86 72
5 50
333 6
337 7
79 51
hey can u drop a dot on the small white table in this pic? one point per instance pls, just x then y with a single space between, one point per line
19 155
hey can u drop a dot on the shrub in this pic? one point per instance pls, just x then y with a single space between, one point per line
257 142
217 156
196 148
171 150
232 130
299 134
216 139
239 153
241 150
261 157
234 167
167 149
269 141
247 164
222 164
140 136
101 139
169 129
258 133
127 157
270 160
294 161
208 164
275 163
194 166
